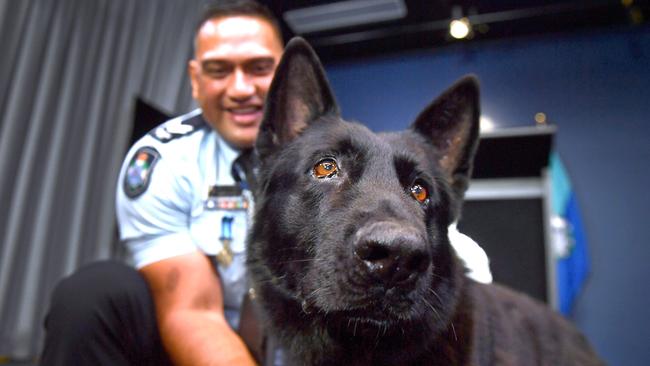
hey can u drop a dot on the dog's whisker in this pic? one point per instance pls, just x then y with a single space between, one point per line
305 307
436 295
454 330
378 337
437 276
301 260
273 279
432 308
315 293
288 249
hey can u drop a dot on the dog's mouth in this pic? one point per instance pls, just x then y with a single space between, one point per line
359 321
371 315
377 308
370 321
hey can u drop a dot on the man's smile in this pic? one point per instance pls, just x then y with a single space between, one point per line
245 114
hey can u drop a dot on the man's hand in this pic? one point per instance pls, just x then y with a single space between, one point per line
189 308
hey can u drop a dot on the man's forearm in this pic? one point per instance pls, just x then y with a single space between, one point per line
189 308
197 338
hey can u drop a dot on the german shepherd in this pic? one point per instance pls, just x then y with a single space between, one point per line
349 254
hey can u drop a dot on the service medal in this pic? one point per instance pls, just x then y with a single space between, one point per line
224 257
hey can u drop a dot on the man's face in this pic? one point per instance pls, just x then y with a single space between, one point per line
231 72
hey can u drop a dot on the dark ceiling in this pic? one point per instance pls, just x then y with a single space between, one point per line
426 23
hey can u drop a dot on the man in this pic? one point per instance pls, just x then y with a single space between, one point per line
183 209
235 57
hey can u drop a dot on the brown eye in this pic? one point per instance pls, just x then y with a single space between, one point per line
326 169
419 193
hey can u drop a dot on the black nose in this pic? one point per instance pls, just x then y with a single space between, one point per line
392 255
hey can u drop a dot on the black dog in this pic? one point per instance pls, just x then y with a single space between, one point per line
349 252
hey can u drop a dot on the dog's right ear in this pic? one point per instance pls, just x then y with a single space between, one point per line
299 94
451 123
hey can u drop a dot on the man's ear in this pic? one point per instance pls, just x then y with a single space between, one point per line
193 69
298 95
451 123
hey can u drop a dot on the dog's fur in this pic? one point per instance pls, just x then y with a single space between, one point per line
352 269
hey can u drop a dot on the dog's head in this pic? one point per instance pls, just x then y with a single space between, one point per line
351 226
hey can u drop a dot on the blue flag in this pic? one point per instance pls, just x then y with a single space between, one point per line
568 239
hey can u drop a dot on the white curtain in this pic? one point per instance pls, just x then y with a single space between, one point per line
70 71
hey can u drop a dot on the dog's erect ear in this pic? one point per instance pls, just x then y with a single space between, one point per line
298 95
451 122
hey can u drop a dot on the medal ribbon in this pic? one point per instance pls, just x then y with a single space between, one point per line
226 228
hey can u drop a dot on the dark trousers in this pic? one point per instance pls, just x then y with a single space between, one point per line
103 314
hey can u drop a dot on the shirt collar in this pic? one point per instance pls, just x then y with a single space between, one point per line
227 151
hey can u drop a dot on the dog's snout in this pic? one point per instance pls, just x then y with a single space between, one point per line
392 255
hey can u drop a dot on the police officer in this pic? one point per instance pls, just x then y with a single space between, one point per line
183 205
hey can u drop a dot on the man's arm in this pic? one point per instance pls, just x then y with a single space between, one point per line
189 308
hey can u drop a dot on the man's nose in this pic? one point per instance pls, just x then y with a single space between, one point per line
241 85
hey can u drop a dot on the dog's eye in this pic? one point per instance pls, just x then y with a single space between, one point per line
419 193
326 168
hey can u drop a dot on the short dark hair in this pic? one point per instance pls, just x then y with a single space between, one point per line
230 8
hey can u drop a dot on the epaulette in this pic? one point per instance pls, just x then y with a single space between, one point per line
177 127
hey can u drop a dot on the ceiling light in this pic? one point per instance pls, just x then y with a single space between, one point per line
343 14
487 124
459 28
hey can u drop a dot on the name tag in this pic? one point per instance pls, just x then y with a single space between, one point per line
229 198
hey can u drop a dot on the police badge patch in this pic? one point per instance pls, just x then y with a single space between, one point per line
138 173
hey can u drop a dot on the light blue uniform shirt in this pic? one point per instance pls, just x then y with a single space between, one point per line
172 169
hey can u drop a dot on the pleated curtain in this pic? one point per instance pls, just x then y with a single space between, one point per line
70 72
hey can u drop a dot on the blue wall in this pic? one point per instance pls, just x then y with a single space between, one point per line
594 86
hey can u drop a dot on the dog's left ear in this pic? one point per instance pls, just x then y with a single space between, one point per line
299 94
451 122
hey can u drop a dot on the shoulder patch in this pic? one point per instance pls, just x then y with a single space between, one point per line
138 173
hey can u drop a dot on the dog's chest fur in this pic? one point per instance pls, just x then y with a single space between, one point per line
349 252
